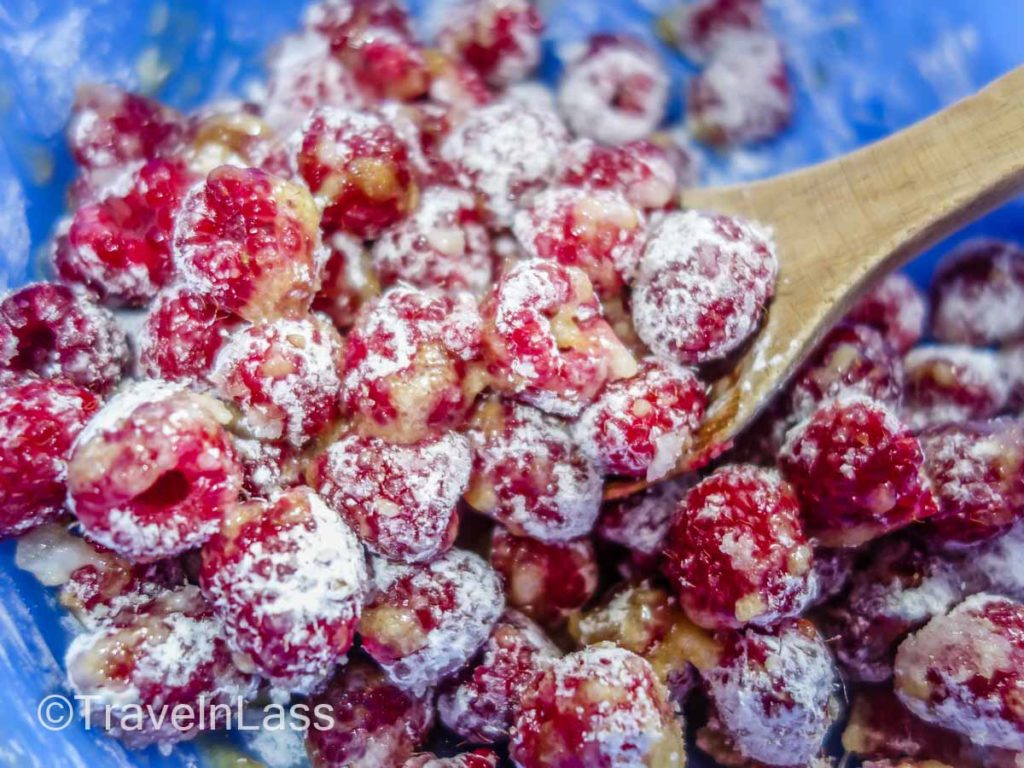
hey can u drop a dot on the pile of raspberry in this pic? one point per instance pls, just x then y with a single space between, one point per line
404 313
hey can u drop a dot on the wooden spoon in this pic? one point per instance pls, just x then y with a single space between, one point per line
842 224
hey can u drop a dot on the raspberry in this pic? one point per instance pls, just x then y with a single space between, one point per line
702 286
639 524
266 555
169 652
421 126
152 473
744 95
401 500
641 426
700 28
478 758
546 581
387 64
456 86
774 692
737 552
339 21
993 564
443 246
895 307
602 706
478 704
423 622
58 334
250 242
500 39
951 384
640 170
267 467
358 170
529 475
375 723
614 91
230 133
597 231
546 341
858 471
409 368
977 292
349 282
39 421
283 376
963 671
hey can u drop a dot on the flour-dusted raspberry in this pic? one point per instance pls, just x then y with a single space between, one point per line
598 231
737 552
421 126
478 758
442 246
703 283
545 338
977 292
500 39
701 27
615 90
858 471
268 467
283 376
602 706
505 152
339 21
39 421
640 170
774 692
153 472
641 426
409 368
545 580
401 500
358 169
287 577
455 86
230 133
995 564
896 307
56 333
251 242
963 671
529 475
349 280
375 723
902 587
169 652
478 704
744 95
387 64
119 247
423 622
953 383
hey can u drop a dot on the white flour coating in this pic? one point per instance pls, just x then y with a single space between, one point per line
986 312
122 405
980 370
999 564
402 119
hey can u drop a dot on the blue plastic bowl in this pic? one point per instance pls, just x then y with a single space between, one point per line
863 67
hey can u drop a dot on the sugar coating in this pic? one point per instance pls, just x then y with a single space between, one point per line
950 383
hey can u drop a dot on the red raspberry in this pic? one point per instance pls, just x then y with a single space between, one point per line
950 384
977 292
56 333
152 474
421 126
545 338
478 704
456 86
614 91
963 671
858 471
231 133
640 170
401 500
744 95
700 28
478 758
120 247
737 552
500 39
442 246
341 20
896 307
775 692
702 286
600 707
283 376
641 426
358 169
597 231
529 475
169 652
409 371
387 64
349 282
267 467
424 622
250 242
546 581
39 421
287 577
375 723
